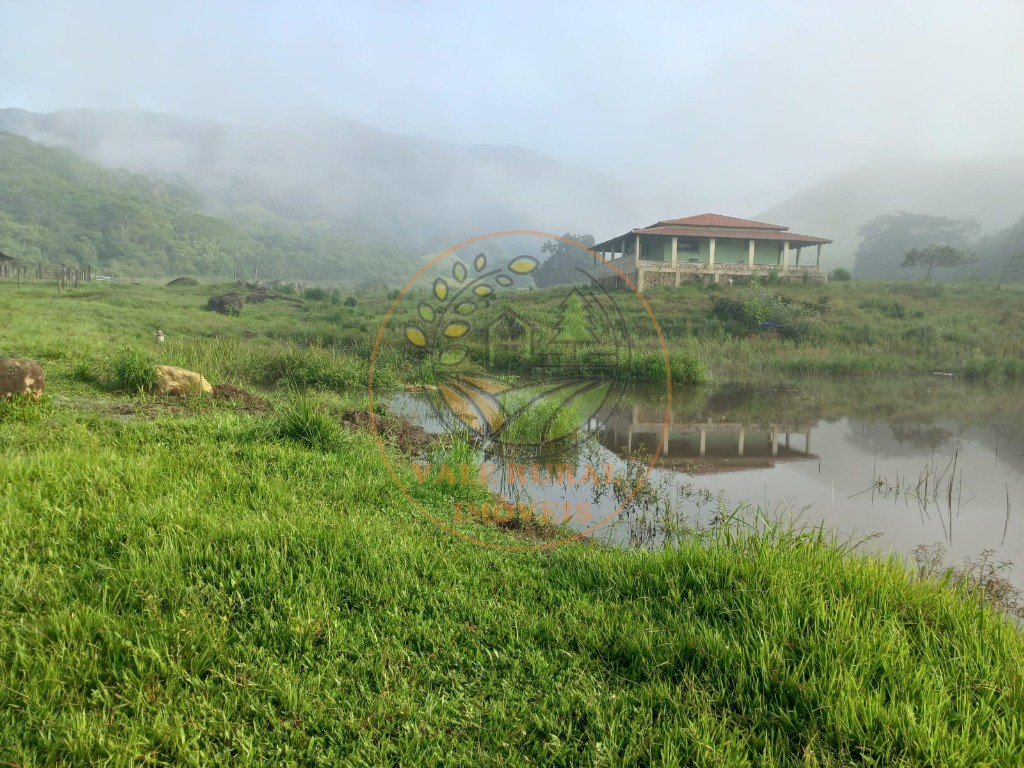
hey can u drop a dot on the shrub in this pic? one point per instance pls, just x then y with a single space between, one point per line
687 369
315 294
840 275
134 370
350 301
304 423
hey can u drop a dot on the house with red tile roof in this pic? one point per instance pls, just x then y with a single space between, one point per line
708 247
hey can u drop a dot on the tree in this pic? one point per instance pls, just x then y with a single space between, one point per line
840 275
937 255
1013 270
886 238
567 263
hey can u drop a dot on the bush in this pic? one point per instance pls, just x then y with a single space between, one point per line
315 294
840 275
134 370
304 423
687 369
350 301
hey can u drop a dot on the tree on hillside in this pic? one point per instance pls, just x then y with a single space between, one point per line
566 261
1013 270
938 255
1000 254
886 239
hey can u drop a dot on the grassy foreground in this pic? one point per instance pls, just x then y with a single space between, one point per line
189 583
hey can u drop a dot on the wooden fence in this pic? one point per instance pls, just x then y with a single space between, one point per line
65 277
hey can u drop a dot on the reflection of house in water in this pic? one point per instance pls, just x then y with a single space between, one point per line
704 447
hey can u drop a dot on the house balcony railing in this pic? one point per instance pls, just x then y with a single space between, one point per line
628 266
742 268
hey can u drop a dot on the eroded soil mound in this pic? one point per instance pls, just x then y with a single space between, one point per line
237 396
410 438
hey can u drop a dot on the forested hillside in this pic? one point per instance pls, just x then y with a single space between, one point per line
362 182
56 207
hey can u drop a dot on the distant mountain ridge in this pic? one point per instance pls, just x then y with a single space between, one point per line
989 191
57 207
356 180
338 180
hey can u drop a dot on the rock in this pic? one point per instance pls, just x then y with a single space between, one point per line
182 281
21 377
178 381
226 304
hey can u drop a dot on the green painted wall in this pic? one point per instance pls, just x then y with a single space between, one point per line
768 252
656 248
731 251
727 251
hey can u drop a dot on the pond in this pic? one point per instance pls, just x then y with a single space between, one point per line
893 464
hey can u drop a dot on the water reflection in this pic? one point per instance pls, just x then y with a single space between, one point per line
833 451
704 447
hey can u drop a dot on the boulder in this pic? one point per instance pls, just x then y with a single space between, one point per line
178 381
21 377
182 281
226 303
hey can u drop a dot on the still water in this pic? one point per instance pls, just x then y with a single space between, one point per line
900 463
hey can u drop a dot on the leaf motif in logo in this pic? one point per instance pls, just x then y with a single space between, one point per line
465 308
459 272
483 290
504 281
480 262
474 402
441 289
453 356
427 312
456 329
415 336
523 265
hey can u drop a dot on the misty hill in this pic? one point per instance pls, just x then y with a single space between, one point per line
991 192
352 179
57 207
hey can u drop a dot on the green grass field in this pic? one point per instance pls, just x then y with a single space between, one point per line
191 583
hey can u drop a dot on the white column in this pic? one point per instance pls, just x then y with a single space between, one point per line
775 441
750 256
743 436
703 441
637 254
817 259
675 251
785 256
711 254
798 256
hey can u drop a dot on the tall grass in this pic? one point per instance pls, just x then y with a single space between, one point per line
203 587
134 370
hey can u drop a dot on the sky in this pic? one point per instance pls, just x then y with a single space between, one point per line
738 100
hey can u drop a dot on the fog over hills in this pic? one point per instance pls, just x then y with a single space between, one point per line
364 182
355 181
990 191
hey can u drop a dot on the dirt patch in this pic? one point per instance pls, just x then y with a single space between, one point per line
238 397
410 438
150 408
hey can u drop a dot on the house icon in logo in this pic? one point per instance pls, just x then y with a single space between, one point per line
509 338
